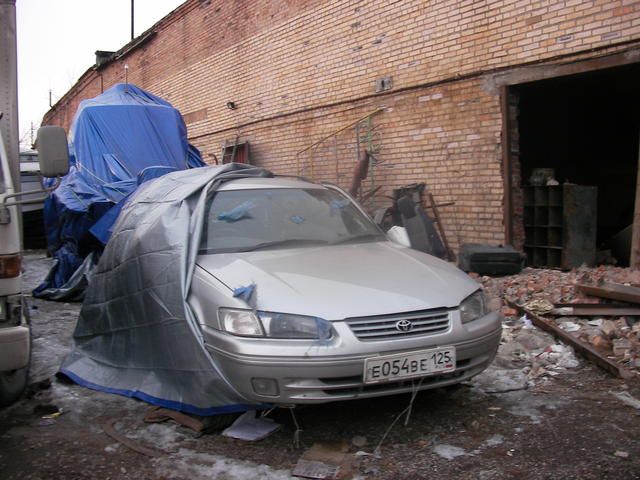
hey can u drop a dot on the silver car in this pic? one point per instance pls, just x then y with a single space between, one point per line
326 308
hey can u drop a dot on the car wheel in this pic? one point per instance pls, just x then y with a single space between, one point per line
12 384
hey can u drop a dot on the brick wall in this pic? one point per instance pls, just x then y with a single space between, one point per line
298 70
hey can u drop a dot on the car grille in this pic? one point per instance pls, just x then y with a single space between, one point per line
383 327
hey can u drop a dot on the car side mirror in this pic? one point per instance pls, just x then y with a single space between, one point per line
53 151
399 235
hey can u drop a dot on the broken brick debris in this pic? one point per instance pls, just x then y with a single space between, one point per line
606 325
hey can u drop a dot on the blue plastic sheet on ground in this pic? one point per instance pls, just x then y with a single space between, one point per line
118 140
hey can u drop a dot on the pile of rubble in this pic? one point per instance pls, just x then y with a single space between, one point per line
533 351
610 327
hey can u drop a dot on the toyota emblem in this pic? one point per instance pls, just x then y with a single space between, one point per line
404 325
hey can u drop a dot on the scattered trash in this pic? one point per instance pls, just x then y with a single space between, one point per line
627 398
54 415
569 326
539 306
621 454
316 470
526 322
297 219
325 461
250 428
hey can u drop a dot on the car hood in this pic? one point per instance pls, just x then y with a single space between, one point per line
341 281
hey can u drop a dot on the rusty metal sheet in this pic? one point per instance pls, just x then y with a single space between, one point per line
579 225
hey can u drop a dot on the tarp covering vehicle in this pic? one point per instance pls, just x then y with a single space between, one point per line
229 288
118 140
136 334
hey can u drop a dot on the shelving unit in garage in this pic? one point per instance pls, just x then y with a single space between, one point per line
560 225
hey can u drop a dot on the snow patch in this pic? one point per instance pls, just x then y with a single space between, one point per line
162 436
493 441
449 451
200 466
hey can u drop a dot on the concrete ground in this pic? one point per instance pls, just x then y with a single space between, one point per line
504 424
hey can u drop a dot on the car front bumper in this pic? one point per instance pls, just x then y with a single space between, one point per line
323 375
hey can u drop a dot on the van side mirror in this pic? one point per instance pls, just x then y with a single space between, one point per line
53 151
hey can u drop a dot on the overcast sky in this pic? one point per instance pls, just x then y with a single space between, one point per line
57 40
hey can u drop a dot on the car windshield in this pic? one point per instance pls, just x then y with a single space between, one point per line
247 220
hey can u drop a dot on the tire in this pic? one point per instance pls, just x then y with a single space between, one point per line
12 384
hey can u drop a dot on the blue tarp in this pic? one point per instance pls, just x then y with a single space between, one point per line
118 140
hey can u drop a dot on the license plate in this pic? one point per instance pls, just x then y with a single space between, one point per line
409 365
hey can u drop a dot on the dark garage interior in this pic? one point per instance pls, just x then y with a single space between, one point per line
586 128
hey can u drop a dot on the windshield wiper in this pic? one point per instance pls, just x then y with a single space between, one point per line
282 243
362 236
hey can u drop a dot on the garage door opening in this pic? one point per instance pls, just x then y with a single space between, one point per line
585 130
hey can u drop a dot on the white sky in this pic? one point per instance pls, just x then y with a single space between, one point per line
57 40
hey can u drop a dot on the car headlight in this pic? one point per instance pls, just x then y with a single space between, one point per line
275 325
284 325
474 306
240 322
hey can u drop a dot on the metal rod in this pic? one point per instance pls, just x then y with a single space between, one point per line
32 192
371 158
132 29
335 156
450 256
377 110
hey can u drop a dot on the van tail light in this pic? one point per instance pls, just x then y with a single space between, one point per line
10 266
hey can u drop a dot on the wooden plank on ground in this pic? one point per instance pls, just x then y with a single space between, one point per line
583 349
596 311
614 291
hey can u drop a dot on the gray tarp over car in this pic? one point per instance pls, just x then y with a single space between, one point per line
136 335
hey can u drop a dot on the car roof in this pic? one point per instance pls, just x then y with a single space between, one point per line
252 183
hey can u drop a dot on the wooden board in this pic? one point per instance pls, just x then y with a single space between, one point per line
614 291
596 311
